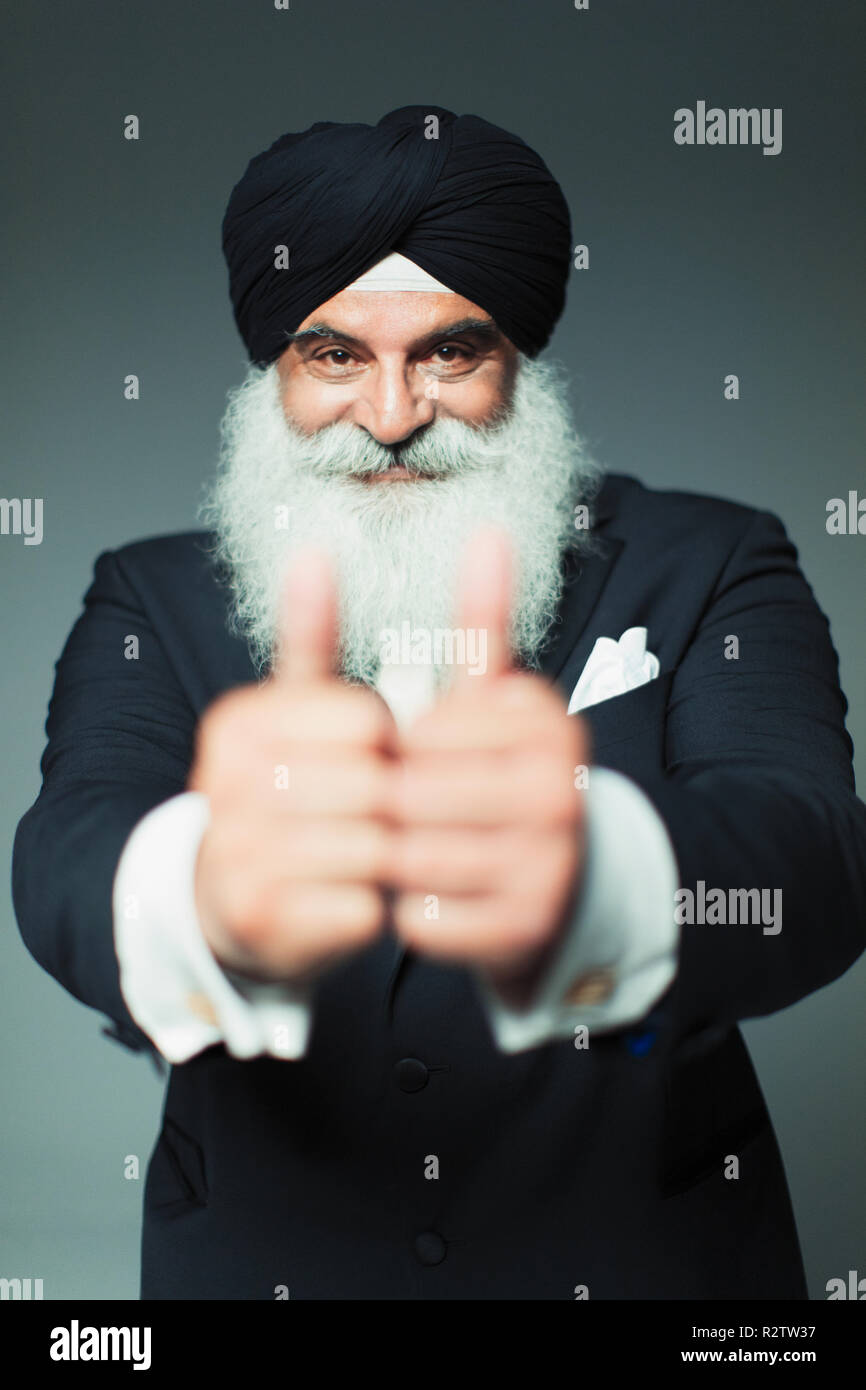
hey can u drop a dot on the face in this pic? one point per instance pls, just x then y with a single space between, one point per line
392 362
388 438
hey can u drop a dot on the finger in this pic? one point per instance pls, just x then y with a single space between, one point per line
480 863
453 861
483 607
488 726
467 930
336 850
315 788
315 924
307 631
536 789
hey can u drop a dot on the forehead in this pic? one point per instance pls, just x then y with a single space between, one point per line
393 318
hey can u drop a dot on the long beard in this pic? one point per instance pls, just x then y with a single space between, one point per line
397 546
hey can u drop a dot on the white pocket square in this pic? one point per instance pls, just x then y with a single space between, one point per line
613 668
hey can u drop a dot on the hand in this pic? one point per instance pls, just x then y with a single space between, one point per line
492 826
298 771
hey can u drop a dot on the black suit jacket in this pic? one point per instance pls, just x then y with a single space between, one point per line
558 1167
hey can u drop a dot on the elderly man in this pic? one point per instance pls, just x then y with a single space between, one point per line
438 839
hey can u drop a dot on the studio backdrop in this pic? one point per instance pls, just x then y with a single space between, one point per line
712 337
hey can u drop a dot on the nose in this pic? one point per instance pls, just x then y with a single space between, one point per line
392 405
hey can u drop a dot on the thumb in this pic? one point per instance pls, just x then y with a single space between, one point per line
483 606
307 630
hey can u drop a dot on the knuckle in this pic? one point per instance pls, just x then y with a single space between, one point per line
368 716
564 803
380 780
380 850
245 891
407 914
245 916
524 928
365 912
549 792
222 726
227 708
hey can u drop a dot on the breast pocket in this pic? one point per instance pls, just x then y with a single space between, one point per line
628 731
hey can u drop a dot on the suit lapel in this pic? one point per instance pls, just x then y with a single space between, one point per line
586 576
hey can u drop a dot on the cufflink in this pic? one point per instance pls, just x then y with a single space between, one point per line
594 987
201 1006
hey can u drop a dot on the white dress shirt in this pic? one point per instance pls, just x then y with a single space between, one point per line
616 957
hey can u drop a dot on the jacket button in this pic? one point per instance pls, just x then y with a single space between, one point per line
430 1248
411 1075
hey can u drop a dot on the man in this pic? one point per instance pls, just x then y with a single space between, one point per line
439 842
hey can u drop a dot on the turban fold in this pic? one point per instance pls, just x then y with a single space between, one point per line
474 206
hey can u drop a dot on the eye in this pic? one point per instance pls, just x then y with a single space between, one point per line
334 353
456 348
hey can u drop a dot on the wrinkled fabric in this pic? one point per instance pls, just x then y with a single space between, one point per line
475 207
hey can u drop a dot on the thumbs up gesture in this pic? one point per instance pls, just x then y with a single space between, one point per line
327 825
299 774
492 841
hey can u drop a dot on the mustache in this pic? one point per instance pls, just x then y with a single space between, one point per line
446 447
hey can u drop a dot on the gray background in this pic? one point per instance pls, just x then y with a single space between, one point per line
703 262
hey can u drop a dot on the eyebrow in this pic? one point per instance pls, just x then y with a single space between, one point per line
485 328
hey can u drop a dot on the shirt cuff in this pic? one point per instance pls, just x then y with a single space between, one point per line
174 987
618 955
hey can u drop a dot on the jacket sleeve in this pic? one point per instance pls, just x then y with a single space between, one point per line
120 734
758 792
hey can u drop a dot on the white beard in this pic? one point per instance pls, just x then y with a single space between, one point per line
397 546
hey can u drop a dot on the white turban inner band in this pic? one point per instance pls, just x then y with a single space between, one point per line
396 272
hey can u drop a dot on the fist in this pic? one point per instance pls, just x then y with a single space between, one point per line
299 773
492 848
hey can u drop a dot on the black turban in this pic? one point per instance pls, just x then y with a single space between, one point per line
476 208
